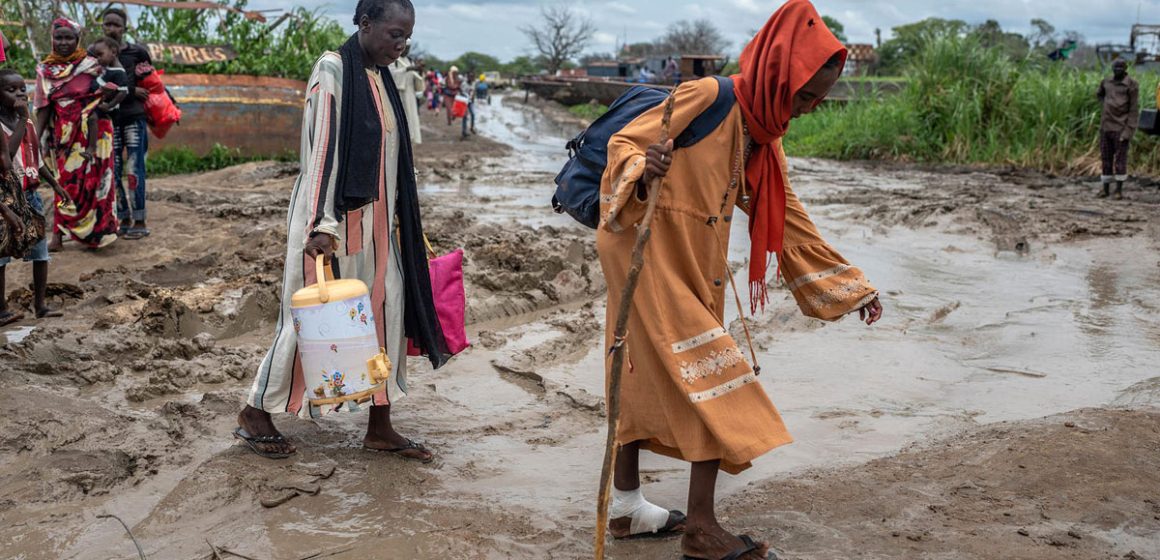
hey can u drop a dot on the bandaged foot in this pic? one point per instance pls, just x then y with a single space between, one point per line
631 516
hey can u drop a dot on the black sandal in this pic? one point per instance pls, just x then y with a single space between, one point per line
253 441
674 526
748 545
8 317
411 444
48 312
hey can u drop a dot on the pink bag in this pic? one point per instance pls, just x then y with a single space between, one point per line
450 300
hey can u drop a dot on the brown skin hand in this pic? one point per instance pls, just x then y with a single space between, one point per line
660 156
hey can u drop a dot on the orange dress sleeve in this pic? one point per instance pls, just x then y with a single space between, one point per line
824 284
619 205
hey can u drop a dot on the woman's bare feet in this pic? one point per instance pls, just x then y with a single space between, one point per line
714 542
258 423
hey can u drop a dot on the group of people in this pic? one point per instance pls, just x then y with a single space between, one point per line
442 91
691 394
86 137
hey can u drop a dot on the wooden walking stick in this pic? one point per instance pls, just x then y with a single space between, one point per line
643 232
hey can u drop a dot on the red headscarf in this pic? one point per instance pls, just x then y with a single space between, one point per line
77 55
794 44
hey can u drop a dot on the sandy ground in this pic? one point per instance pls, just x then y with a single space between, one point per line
1004 408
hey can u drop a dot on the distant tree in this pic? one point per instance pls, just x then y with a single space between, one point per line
560 36
522 66
991 35
418 52
909 39
595 57
692 37
474 63
836 27
1042 34
639 49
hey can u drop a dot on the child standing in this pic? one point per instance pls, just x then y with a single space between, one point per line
26 171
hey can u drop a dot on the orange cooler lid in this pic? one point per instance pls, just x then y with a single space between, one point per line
328 289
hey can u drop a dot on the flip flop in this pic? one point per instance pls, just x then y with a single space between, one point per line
748 545
252 441
46 312
8 317
410 445
674 526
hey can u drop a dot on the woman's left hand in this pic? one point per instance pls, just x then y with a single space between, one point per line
871 312
141 93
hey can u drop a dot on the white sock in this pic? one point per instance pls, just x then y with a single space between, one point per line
646 517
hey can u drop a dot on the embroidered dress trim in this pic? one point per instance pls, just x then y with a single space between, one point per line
613 208
723 389
713 364
815 276
699 340
835 295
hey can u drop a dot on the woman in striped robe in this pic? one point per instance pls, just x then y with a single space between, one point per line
356 189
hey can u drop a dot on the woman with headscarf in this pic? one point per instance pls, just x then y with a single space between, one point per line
356 204
689 392
66 104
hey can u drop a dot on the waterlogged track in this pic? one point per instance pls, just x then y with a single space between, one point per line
1009 298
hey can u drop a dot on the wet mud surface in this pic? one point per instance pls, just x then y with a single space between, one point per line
1005 406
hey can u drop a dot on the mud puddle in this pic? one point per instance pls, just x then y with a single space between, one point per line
1004 303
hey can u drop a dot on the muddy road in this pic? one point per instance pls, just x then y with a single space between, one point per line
1006 406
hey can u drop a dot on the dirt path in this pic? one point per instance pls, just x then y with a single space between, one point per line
1011 297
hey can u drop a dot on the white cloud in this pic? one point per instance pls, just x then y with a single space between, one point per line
749 6
451 27
602 41
621 7
472 12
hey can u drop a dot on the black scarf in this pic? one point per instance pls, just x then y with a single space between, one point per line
357 186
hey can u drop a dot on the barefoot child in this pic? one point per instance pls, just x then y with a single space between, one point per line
22 150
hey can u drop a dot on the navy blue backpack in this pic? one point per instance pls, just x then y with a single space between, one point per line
578 184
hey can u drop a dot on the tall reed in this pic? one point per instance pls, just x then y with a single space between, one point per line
966 104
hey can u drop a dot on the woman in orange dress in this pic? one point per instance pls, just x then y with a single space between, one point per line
689 392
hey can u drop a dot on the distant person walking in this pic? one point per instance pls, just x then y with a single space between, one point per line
469 91
451 86
130 131
1120 97
481 89
409 81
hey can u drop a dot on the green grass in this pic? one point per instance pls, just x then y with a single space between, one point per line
179 161
965 104
588 111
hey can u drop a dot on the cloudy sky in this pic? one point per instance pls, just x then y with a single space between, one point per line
447 28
